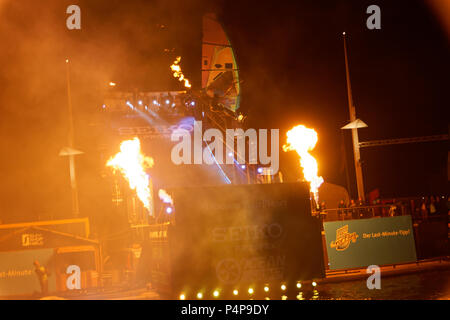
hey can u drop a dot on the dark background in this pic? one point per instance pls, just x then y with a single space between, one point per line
291 60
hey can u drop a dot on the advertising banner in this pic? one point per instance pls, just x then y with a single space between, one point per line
17 275
365 242
231 236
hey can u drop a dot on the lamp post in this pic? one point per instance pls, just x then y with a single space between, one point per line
354 125
70 151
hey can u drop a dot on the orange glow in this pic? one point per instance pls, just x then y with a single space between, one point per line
177 73
132 164
302 140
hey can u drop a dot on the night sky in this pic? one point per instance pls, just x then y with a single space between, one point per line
291 60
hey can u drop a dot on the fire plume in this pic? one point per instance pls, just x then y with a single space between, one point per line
132 164
302 140
177 73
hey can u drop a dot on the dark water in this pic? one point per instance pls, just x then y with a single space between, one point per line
425 285
432 285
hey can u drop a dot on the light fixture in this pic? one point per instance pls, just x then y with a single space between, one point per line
235 292
216 293
358 123
182 296
283 287
250 290
199 295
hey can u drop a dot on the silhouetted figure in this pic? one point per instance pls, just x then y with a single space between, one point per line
442 207
447 209
361 211
393 208
424 209
42 275
322 211
353 209
437 204
378 212
401 208
432 207
341 211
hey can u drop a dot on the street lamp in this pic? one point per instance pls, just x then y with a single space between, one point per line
69 150
354 125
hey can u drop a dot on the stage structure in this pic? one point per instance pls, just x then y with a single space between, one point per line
236 242
153 116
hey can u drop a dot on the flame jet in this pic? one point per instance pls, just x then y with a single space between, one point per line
132 164
302 140
177 73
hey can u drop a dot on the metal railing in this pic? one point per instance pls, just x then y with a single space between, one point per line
363 212
376 211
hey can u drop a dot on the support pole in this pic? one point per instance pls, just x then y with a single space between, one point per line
73 181
351 107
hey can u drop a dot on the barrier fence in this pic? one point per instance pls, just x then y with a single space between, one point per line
374 211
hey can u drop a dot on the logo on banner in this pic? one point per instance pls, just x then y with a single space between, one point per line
32 239
343 239
228 271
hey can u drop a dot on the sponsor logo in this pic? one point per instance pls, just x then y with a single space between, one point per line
247 233
343 239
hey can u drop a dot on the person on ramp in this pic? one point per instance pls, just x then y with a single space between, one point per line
42 275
